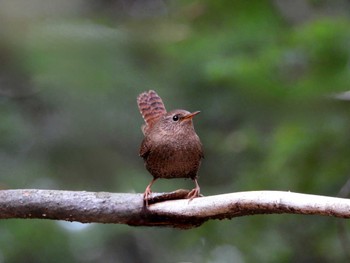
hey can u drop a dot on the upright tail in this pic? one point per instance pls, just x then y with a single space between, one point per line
151 108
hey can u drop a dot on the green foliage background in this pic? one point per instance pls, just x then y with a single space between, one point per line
264 75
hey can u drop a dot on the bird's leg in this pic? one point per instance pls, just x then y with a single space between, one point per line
148 191
194 192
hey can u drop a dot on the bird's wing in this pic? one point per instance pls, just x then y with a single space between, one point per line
145 148
151 108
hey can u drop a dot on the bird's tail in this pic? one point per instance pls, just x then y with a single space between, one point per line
151 108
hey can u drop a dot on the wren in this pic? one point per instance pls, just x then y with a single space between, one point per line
171 148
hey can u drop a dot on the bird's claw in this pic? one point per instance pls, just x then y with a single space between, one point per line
146 195
193 194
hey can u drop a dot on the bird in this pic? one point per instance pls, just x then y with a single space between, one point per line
170 147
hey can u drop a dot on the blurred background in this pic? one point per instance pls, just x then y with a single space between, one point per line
268 76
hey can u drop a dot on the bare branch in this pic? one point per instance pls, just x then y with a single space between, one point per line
102 207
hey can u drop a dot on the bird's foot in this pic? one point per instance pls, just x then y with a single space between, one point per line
193 194
146 195
148 192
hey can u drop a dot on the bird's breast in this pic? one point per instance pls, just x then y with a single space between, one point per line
169 158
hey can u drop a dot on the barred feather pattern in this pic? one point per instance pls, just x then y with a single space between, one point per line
151 108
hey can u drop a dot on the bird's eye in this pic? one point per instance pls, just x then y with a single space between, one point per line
176 117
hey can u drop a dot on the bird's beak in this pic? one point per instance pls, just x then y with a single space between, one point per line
191 115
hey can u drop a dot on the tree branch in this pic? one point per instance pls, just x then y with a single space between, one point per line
102 207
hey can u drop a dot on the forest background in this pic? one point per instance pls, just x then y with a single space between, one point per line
268 77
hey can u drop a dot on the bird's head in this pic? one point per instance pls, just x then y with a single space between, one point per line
177 121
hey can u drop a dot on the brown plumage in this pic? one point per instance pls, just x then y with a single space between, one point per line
151 108
171 148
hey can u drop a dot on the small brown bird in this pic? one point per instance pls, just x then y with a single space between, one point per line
171 148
